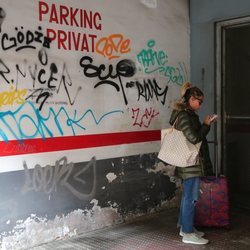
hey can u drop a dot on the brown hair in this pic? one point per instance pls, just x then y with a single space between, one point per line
187 91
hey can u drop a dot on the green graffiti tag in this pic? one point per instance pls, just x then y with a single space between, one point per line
157 61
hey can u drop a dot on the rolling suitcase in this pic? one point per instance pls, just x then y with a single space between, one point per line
212 208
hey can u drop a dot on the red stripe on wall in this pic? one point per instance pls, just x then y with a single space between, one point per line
31 146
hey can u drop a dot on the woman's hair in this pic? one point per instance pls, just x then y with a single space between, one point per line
187 91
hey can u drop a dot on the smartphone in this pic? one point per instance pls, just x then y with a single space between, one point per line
214 117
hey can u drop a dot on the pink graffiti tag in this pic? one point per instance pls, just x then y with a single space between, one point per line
143 119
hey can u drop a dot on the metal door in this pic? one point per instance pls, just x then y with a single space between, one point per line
234 90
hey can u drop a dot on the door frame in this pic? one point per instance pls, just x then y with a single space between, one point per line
220 28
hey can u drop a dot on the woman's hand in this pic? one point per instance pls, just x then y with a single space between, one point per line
209 119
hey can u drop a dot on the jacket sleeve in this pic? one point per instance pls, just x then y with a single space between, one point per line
185 124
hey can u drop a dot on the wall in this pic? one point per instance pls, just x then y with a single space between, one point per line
85 89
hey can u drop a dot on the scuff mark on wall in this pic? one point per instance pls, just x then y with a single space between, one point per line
159 167
149 3
2 16
165 169
166 204
111 177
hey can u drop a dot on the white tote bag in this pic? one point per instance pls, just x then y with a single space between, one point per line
176 150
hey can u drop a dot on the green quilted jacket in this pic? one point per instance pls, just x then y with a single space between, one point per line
188 122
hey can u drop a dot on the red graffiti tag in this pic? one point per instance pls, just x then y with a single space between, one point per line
143 119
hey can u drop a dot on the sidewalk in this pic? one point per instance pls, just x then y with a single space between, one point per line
157 232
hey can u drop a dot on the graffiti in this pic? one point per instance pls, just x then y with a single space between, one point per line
39 94
125 68
112 46
2 16
4 70
24 39
50 79
149 89
143 118
156 61
151 58
69 16
9 148
67 82
47 179
12 97
19 125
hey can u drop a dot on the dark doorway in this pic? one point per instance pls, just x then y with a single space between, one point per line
235 112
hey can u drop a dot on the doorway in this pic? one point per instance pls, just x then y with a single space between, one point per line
233 95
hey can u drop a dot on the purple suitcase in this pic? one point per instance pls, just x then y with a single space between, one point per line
212 208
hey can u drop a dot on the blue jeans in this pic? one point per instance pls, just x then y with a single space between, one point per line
190 195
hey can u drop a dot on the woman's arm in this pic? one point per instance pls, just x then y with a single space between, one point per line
185 124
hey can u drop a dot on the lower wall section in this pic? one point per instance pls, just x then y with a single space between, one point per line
52 202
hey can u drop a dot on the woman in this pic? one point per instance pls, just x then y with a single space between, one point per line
188 122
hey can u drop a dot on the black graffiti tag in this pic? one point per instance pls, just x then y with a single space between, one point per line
46 78
149 89
2 16
107 74
24 39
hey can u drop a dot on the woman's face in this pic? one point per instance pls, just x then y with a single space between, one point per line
195 102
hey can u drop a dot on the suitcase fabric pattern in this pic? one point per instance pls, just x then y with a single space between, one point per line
212 208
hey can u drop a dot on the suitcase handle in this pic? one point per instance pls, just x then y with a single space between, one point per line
215 157
208 179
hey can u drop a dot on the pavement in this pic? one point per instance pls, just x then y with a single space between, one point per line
158 232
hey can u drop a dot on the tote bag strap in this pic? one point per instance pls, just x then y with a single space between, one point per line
197 147
173 126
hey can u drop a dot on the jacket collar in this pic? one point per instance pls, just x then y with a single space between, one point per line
175 113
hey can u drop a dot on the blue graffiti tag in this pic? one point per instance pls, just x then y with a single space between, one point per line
15 122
